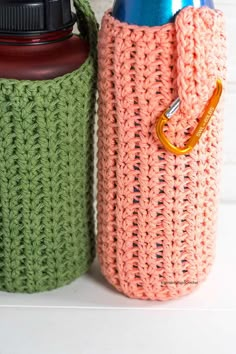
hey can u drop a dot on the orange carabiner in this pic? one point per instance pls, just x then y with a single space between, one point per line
207 115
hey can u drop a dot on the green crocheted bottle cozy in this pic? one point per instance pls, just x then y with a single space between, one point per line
46 174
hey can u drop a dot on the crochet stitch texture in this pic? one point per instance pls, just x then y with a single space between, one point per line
156 211
46 174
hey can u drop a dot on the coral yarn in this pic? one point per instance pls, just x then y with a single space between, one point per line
157 212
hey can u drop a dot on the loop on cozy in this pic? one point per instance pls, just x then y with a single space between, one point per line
200 43
87 23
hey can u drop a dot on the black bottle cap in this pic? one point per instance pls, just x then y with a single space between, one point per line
32 16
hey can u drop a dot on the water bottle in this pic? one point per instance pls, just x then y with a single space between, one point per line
47 102
37 40
152 12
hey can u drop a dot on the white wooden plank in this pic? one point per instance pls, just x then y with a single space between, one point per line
230 126
229 183
50 331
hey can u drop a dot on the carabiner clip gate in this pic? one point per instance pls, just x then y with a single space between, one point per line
201 127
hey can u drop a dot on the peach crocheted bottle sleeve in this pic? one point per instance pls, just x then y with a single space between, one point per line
157 212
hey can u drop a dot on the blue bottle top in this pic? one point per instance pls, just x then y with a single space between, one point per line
152 12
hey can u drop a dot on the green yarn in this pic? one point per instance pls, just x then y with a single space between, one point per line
46 175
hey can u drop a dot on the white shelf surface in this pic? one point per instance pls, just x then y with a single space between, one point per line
89 317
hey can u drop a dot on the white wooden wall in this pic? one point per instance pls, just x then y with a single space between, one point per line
229 172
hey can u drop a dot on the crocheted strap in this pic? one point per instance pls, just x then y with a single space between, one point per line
87 23
197 57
